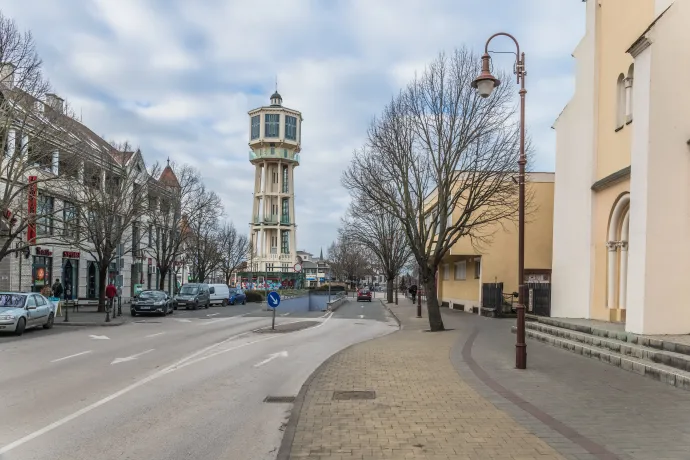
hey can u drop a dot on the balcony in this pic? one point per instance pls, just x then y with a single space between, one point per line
283 257
278 154
268 220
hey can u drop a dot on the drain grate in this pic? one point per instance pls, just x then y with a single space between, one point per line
350 395
279 399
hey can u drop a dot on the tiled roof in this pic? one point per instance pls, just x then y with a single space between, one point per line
169 178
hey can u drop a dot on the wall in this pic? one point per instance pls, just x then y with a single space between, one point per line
660 182
575 147
499 257
620 23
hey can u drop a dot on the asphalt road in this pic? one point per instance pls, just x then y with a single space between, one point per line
185 386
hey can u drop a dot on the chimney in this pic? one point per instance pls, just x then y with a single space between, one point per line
7 74
55 102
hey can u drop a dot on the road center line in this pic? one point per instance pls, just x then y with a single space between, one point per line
154 335
71 356
213 314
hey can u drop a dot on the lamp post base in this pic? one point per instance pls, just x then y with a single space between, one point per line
520 345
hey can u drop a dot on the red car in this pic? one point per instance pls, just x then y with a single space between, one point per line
364 294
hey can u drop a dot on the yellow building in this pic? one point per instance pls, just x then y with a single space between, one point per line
622 208
466 268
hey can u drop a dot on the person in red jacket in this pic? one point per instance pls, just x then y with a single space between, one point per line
110 293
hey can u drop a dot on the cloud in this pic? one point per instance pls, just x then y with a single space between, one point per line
177 77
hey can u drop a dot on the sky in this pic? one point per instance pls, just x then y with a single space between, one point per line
177 77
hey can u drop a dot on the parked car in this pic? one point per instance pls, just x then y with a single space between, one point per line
19 311
364 294
237 296
220 294
152 302
193 295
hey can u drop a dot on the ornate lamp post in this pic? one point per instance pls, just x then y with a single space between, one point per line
485 84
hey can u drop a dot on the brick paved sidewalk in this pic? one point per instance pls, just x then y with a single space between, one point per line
422 408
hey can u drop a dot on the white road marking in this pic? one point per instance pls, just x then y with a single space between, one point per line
183 320
70 356
130 358
271 357
100 337
154 335
179 364
286 314
361 316
362 305
206 323
213 314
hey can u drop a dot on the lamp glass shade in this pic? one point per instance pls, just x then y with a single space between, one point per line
485 87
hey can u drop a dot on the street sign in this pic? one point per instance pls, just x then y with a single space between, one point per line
297 268
273 299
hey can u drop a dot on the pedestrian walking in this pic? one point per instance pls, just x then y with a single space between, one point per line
110 293
57 288
413 292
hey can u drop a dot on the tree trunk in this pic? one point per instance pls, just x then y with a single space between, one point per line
102 276
389 290
432 306
162 273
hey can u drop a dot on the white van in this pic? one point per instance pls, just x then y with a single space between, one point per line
220 294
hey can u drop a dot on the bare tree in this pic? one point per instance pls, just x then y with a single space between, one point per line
203 240
348 261
382 234
175 199
443 158
104 209
234 248
38 144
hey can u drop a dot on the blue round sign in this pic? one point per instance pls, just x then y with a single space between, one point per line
273 299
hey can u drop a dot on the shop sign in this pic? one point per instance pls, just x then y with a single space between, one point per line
43 252
70 254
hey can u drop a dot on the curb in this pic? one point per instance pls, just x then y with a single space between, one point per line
83 324
397 320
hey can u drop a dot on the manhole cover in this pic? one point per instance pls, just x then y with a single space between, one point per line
279 399
349 395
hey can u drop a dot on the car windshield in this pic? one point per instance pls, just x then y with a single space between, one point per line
189 290
233 291
151 295
12 300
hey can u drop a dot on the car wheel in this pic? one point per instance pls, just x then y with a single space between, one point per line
49 324
244 301
208 304
133 313
172 310
21 324
195 307
232 302
225 302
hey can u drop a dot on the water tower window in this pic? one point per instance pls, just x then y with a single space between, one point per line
272 128
290 127
256 126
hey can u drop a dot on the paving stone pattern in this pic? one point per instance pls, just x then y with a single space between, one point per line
423 408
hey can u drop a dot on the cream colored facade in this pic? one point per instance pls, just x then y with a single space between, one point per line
275 140
466 267
622 161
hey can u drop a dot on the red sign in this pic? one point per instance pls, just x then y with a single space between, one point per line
33 192
43 252
70 254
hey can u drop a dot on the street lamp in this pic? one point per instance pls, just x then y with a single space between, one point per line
485 84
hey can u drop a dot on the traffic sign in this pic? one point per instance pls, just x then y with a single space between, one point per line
297 268
273 299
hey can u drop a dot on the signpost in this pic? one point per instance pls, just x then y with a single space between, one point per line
273 300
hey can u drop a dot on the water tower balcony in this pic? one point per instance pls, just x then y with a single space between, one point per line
270 153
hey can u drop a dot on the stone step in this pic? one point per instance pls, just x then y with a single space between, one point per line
659 344
656 371
667 358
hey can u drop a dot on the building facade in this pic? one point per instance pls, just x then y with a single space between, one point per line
466 269
55 248
275 142
620 252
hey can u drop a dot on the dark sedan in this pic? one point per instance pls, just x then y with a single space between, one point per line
152 303
364 294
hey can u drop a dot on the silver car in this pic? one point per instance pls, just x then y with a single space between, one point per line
19 311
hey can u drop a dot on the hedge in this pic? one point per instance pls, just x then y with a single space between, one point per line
255 296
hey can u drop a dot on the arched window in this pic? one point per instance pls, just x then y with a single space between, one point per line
628 94
620 102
